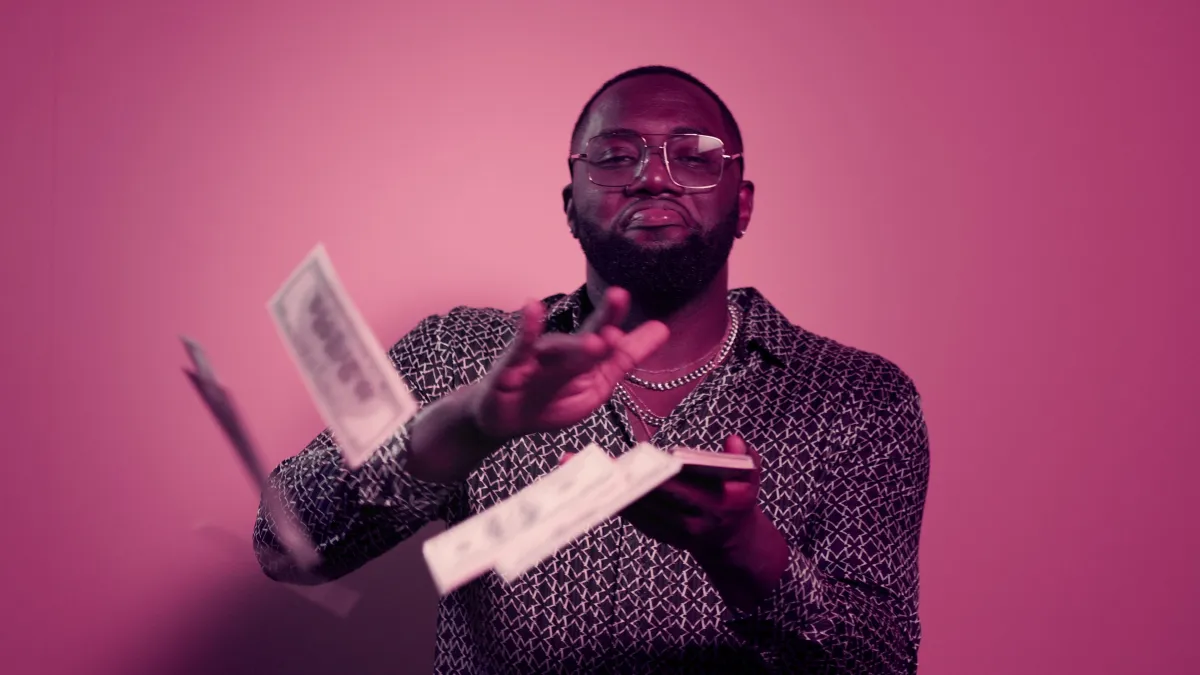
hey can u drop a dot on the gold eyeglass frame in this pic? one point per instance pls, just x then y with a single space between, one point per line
644 160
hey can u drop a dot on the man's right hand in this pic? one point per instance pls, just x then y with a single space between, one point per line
549 382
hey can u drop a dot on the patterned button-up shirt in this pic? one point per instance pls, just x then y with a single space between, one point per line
845 465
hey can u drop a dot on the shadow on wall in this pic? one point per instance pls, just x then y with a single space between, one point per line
260 627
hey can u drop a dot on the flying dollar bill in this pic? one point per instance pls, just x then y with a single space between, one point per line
295 541
471 548
355 386
643 468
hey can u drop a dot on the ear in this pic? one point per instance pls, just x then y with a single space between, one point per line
745 206
569 201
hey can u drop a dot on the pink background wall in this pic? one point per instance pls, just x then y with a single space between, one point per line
999 196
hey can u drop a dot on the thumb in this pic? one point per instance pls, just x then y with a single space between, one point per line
735 445
566 457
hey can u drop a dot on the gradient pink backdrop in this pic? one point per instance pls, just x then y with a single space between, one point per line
999 196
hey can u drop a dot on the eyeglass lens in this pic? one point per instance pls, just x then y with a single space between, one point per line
692 160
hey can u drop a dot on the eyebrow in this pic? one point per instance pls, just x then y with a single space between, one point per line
676 130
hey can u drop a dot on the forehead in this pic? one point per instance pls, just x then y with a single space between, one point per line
654 104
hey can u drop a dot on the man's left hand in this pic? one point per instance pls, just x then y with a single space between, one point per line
718 520
702 513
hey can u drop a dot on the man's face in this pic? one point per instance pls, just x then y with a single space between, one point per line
661 242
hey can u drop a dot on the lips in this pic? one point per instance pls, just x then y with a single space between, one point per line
655 215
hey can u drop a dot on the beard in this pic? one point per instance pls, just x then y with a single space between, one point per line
660 279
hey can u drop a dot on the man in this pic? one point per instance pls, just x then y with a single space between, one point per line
808 565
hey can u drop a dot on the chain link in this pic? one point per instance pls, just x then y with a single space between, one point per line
726 348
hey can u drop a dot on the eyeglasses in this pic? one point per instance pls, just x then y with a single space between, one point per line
695 161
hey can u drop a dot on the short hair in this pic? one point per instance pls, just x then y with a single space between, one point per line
726 116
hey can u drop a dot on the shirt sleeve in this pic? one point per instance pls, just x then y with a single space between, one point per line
847 602
354 516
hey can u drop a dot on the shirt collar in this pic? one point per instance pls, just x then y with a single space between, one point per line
765 328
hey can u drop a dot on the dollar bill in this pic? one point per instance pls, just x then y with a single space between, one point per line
354 383
641 469
295 541
471 548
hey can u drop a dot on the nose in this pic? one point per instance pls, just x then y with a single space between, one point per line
652 176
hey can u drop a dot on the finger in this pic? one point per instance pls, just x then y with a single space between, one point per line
736 445
640 343
596 319
529 328
572 353
612 311
630 349
566 457
533 317
612 335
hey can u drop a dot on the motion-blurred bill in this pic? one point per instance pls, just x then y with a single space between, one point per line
291 535
354 383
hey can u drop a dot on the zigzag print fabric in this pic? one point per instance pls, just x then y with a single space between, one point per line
845 467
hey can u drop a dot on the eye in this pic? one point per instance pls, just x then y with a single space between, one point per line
614 152
691 159
614 160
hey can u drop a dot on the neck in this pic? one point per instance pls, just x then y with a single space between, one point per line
696 327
